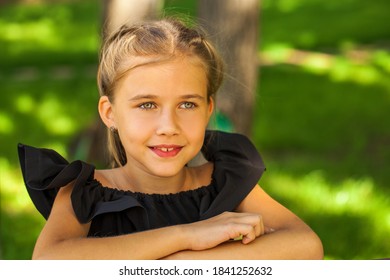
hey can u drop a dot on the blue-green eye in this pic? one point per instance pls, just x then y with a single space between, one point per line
147 106
187 105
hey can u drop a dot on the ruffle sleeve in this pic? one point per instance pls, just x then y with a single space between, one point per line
45 172
238 167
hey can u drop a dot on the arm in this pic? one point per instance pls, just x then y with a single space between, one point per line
292 238
63 237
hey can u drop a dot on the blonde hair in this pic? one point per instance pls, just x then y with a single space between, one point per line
152 41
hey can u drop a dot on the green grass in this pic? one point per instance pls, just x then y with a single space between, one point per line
320 119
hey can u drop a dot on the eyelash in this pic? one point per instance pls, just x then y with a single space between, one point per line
192 104
153 106
142 106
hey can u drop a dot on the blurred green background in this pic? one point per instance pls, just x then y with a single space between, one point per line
321 123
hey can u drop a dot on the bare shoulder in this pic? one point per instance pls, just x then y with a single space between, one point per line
63 207
62 223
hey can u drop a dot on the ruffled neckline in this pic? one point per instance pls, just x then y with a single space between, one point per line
200 189
237 169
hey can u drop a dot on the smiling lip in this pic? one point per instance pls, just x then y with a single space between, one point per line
166 151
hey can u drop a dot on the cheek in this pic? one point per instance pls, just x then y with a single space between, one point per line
195 129
133 126
194 124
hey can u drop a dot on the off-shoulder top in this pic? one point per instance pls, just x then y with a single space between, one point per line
237 169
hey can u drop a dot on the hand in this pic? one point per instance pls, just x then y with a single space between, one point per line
209 233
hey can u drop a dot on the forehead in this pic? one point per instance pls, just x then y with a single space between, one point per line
180 74
133 62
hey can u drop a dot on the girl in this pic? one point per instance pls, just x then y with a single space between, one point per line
158 82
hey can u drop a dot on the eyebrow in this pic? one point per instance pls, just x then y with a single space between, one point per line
192 96
143 96
151 96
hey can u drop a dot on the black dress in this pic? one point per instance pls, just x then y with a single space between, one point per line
237 169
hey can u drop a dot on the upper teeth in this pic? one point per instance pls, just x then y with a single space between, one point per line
166 149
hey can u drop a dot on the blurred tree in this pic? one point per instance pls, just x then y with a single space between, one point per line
234 27
117 12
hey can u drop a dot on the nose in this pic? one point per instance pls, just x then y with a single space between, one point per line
168 123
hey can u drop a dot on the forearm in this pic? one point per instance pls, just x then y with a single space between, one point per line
299 243
152 244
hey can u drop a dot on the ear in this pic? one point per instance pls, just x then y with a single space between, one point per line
211 107
106 111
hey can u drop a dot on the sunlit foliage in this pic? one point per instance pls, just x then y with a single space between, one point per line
321 119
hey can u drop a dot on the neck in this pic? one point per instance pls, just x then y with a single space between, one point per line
151 184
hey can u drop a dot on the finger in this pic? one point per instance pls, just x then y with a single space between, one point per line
261 229
238 238
248 234
251 219
258 225
247 238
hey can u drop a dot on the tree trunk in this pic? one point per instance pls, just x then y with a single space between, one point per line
117 12
233 25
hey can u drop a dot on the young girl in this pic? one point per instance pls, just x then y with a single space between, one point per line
158 82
